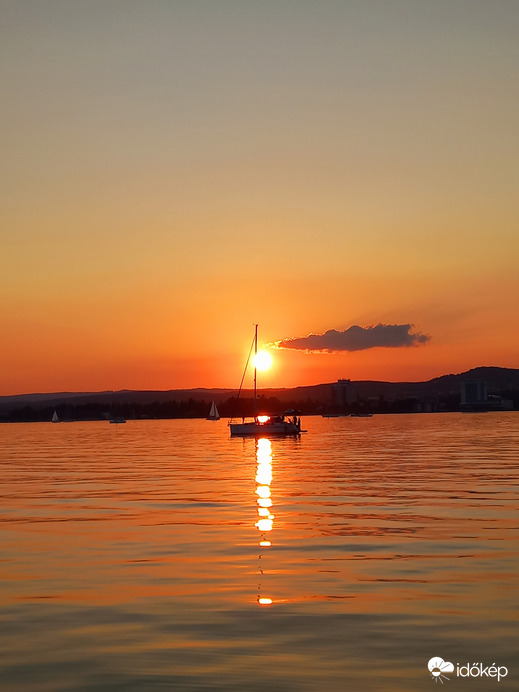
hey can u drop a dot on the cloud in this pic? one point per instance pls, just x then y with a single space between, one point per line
357 338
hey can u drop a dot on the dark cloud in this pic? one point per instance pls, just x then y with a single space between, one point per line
357 338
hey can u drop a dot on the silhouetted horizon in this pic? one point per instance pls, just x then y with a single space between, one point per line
497 377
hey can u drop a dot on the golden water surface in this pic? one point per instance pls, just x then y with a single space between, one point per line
166 555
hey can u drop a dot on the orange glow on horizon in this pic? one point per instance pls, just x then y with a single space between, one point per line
145 257
55 370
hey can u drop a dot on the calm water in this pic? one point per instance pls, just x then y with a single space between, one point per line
165 555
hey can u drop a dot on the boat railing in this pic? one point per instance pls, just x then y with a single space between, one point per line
243 419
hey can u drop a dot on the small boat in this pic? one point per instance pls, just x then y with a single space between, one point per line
213 413
55 418
287 423
118 420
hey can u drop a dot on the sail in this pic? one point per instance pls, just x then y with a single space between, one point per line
55 418
213 413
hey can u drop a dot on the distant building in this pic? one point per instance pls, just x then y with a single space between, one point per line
474 393
497 403
345 393
475 397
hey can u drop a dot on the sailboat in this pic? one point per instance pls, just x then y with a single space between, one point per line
213 413
55 418
263 426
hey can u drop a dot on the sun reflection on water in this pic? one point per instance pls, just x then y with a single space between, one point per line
265 522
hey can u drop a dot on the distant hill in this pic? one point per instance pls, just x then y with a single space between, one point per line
498 380
110 397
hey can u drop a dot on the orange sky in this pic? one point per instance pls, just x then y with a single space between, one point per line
173 173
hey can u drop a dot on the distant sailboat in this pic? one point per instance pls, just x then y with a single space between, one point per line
213 413
55 418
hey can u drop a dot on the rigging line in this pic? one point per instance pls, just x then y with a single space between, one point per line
245 371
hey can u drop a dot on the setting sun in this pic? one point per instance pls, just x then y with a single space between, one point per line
262 360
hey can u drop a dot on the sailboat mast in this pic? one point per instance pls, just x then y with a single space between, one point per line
255 352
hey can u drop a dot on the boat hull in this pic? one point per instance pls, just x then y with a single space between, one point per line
263 429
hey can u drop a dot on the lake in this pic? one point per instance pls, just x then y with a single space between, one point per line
166 555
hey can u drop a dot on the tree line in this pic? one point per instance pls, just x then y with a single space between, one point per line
232 407
189 408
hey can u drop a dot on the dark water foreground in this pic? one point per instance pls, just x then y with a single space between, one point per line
164 555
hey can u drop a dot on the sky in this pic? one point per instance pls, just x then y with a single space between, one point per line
174 172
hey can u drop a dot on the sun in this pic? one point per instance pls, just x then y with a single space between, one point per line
262 360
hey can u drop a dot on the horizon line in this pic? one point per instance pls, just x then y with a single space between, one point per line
231 389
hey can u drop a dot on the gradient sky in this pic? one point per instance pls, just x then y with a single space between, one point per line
175 171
